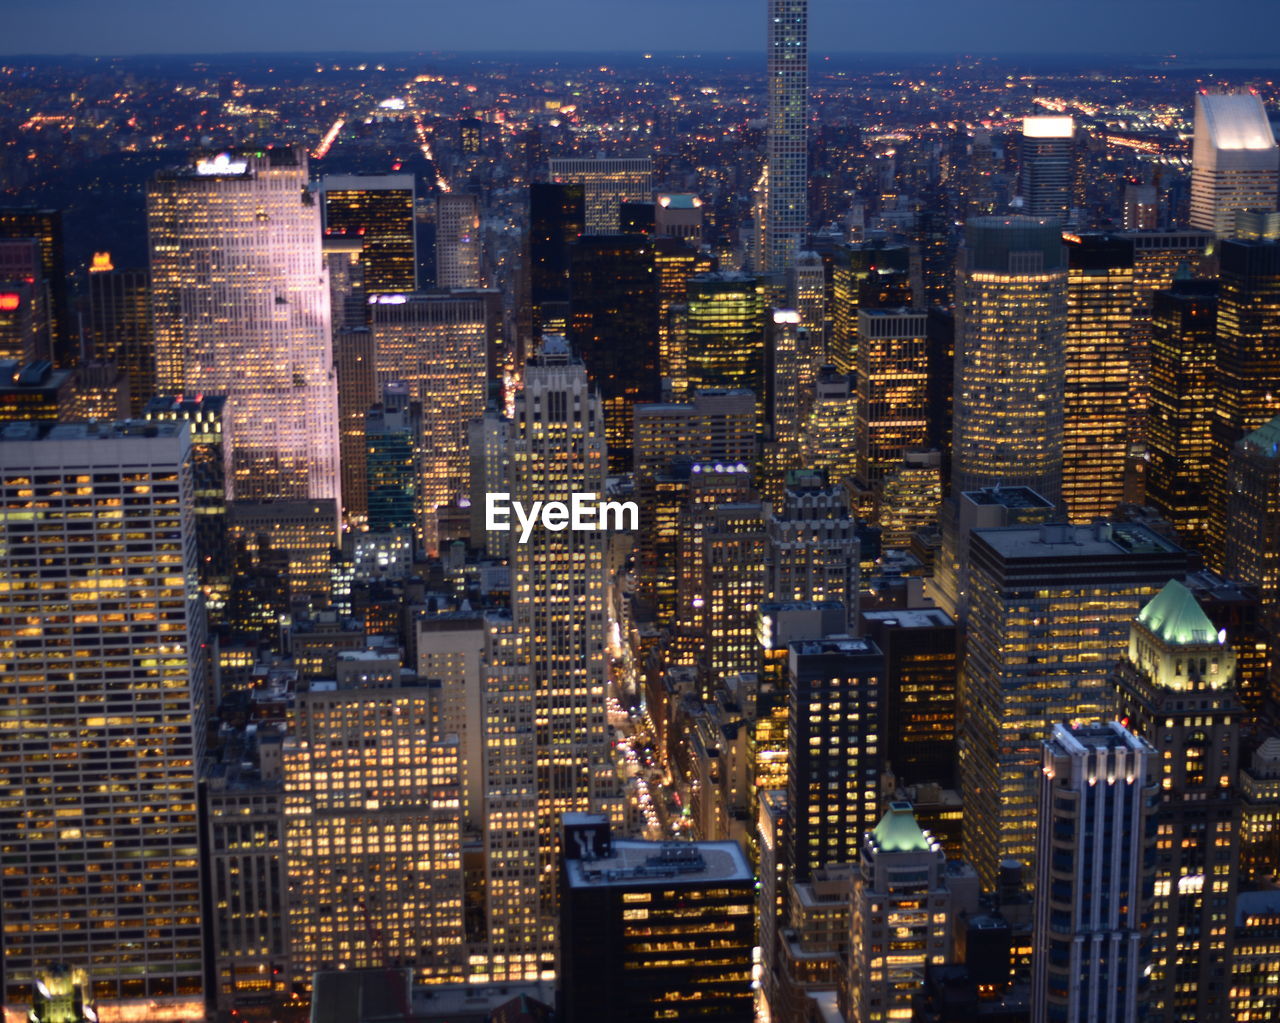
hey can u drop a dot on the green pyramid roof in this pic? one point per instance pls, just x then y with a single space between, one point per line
1176 617
899 832
1266 437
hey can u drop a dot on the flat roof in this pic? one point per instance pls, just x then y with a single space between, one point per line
917 618
635 863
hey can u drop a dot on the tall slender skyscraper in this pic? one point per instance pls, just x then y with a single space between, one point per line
104 721
1177 690
240 306
787 214
1234 160
120 327
1047 166
558 599
557 217
1100 299
438 344
893 383
1010 360
1096 837
458 240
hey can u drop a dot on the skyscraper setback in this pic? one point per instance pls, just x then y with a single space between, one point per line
240 307
1235 163
787 208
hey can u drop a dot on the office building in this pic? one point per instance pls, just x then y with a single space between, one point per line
393 470
1097 342
558 602
300 534
1235 162
355 361
119 327
104 717
786 222
613 325
439 344
1141 207
1177 690
44 226
1042 638
236 278
557 217
1252 553
1181 408
922 661
893 381
725 332
836 753
674 262
901 920
205 417
62 994
678 215
458 242
831 426
1096 838
620 895
35 391
807 294
1047 163
910 497
1010 356
873 274
372 833
1247 363
607 182
344 262
1255 961
813 544
377 209
24 303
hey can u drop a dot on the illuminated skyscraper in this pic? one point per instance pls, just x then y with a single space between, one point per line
104 715
830 428
458 243
613 325
1177 690
120 327
438 344
893 383
1100 297
62 995
1180 413
45 227
807 294
240 307
1010 363
378 209
1096 841
874 274
373 833
1235 164
1252 549
1049 614
836 735
813 545
674 262
607 182
900 903
557 217
726 333
354 362
787 216
558 601
393 432
621 894
1047 170
910 497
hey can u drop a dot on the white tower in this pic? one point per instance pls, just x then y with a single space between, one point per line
787 212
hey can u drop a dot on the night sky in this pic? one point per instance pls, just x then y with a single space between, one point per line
1235 27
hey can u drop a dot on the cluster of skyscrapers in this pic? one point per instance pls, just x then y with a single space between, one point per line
932 680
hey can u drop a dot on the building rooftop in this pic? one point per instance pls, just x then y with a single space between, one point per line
1265 903
1048 127
29 430
638 863
898 831
1008 497
916 618
1236 120
1060 540
1176 617
1265 438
